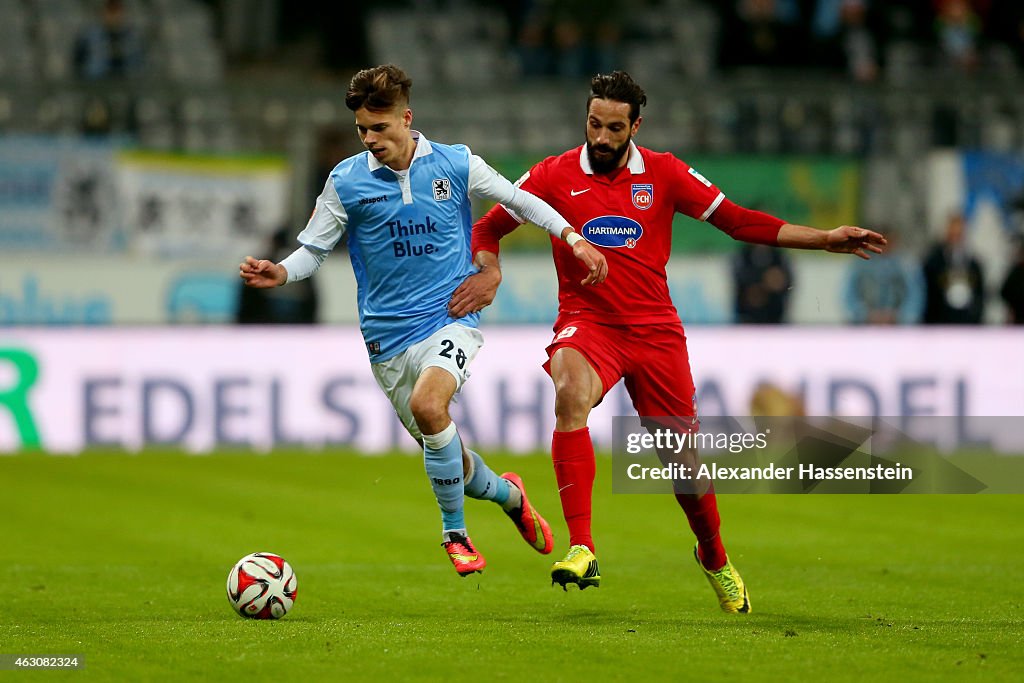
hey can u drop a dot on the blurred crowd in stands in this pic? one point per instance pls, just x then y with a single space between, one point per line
866 41
578 37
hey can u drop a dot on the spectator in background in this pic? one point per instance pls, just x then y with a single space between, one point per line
958 30
1006 25
845 37
887 290
954 280
1012 291
531 48
298 304
110 47
761 33
763 280
568 38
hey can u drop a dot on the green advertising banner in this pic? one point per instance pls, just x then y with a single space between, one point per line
819 191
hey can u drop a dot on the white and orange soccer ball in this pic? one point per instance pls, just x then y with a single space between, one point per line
262 586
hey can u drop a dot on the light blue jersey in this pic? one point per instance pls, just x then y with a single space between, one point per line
408 237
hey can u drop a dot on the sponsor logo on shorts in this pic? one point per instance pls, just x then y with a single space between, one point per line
612 231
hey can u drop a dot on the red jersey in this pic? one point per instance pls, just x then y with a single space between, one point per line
627 214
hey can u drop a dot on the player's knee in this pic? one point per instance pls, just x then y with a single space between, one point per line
430 414
572 403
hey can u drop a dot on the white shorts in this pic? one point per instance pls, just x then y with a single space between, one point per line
453 348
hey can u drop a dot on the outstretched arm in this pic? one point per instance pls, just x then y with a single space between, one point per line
748 225
846 239
300 264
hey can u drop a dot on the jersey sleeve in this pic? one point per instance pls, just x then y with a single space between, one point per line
328 222
487 183
746 225
500 220
695 195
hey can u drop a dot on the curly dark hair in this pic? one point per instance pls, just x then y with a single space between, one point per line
618 86
380 88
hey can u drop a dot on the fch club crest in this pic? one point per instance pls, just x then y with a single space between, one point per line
643 196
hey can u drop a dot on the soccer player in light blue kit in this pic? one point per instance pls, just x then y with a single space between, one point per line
405 204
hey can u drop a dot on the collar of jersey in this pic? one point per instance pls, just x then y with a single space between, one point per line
423 148
635 163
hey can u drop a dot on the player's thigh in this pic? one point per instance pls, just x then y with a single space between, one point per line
575 379
659 380
596 346
396 377
451 349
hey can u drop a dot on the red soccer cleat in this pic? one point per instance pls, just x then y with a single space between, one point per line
532 527
463 555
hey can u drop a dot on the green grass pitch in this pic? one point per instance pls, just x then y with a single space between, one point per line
123 559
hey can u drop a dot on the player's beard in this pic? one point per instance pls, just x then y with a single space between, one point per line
610 157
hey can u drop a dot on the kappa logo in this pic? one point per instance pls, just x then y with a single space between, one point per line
643 196
442 190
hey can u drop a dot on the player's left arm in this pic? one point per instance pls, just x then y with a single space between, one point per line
697 197
748 225
846 239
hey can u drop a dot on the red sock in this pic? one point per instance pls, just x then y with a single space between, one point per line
573 456
705 523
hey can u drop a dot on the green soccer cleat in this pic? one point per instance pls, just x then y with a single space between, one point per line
579 567
728 585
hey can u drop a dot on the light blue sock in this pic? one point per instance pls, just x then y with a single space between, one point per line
442 458
485 484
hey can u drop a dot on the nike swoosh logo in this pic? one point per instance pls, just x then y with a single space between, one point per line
465 558
576 192
564 488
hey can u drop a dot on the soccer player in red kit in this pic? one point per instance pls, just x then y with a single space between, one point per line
622 198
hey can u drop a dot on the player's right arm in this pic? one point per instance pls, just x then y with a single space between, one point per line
322 232
514 201
523 204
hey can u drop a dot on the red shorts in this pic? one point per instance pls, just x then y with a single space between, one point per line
652 359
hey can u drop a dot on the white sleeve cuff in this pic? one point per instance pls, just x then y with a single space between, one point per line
302 263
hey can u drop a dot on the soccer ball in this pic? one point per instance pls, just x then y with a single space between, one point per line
262 586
